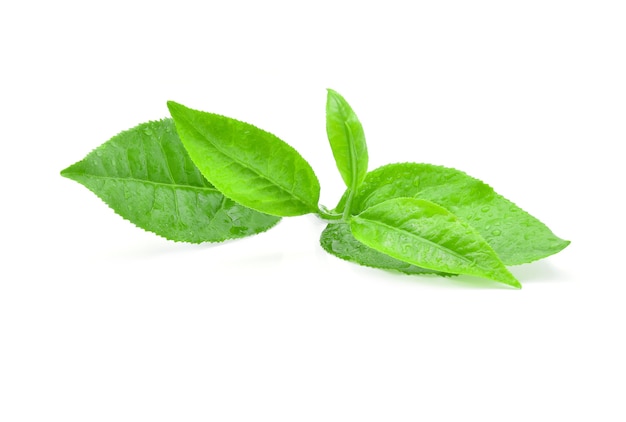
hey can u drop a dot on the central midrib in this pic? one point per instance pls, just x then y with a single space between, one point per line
435 245
151 182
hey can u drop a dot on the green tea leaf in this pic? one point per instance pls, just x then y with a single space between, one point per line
247 164
516 236
145 175
347 140
427 235
337 239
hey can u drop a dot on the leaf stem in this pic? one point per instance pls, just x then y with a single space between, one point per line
330 217
347 207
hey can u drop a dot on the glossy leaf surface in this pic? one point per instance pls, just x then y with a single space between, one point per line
145 175
337 239
427 235
347 140
516 236
247 164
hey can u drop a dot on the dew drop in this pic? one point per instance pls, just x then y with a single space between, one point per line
496 232
486 208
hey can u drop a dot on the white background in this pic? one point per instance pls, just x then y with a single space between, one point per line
100 321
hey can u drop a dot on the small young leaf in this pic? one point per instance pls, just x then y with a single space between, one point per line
427 235
145 175
516 236
247 164
347 140
337 239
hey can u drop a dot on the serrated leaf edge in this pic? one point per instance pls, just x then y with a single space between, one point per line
218 240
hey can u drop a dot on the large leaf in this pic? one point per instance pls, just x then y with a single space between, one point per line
337 239
347 140
145 175
427 235
516 236
247 164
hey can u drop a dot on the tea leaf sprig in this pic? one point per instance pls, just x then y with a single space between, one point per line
203 177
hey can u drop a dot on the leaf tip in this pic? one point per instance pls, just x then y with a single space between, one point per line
173 107
332 94
508 279
68 171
